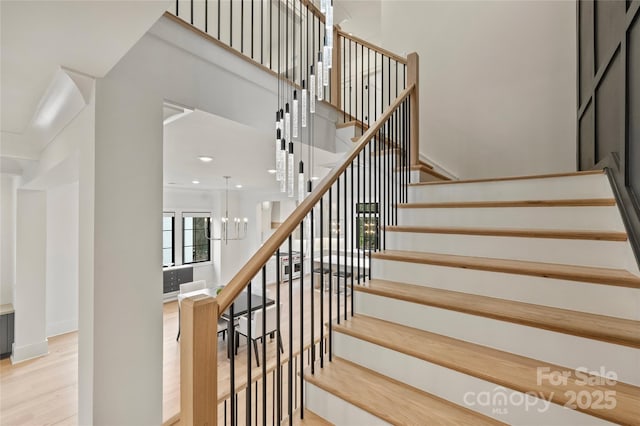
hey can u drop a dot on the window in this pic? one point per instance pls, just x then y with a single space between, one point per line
195 238
168 256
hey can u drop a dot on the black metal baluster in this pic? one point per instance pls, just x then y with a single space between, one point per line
369 87
191 19
396 78
355 55
375 81
389 85
206 16
330 275
218 19
264 346
344 78
353 233
369 202
278 334
232 367
252 26
177 9
261 32
337 234
289 371
248 399
271 36
362 88
231 23
322 283
346 234
301 287
241 26
350 82
311 292
361 168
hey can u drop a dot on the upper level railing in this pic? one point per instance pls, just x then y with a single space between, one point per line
334 231
285 36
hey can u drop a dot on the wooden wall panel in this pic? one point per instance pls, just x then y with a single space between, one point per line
587 138
609 21
586 48
608 102
610 110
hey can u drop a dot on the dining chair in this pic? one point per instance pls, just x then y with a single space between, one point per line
270 322
188 288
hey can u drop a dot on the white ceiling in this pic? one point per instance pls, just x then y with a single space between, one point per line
239 151
38 37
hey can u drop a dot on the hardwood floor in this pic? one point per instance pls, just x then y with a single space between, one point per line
43 391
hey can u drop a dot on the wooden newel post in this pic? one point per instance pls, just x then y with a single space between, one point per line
198 361
413 77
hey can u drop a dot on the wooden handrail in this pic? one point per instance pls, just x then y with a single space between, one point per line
261 257
365 43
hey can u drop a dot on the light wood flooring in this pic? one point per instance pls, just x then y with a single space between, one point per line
43 391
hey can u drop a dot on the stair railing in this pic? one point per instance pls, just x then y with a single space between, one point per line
334 230
284 37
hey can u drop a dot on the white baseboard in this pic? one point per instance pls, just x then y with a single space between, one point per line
27 352
62 327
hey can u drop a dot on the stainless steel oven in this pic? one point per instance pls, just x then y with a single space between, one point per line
284 266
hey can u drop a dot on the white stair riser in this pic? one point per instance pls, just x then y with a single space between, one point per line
461 389
416 176
615 301
570 187
606 254
557 348
590 218
337 410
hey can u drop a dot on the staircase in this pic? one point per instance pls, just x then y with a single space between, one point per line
495 301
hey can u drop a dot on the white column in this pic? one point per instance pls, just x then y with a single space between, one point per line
8 194
30 290
121 286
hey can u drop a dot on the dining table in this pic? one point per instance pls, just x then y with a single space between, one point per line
240 307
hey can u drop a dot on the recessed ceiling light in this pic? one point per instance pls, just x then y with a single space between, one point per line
238 186
315 178
195 182
205 158
272 171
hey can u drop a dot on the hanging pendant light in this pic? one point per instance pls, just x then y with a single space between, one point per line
320 76
301 192
278 137
303 111
282 164
290 172
325 69
294 123
287 122
312 92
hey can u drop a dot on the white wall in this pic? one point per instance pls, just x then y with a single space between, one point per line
29 302
62 259
497 82
8 237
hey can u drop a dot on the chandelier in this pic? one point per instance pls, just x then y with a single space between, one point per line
239 225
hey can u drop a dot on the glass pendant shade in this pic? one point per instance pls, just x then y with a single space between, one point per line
312 92
323 6
282 164
290 183
320 76
287 122
301 192
303 111
294 123
325 68
278 149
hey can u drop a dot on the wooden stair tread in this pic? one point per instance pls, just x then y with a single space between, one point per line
428 170
508 178
582 202
587 274
503 368
388 399
592 326
517 232
310 418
